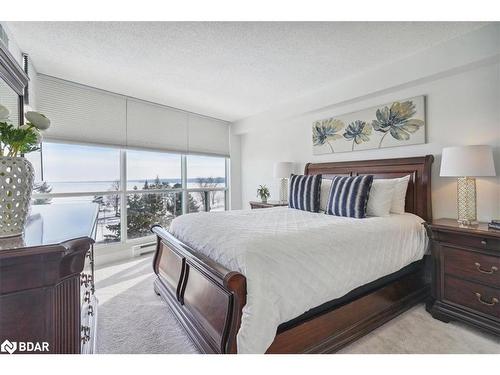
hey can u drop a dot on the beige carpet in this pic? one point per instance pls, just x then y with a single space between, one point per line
133 319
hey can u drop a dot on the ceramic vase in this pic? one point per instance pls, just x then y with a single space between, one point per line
16 186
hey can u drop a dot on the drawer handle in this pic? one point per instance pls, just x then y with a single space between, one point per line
85 330
492 270
493 302
84 279
86 297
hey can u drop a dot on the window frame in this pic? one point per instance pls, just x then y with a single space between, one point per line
123 191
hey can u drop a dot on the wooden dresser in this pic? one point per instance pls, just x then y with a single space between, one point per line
466 274
47 282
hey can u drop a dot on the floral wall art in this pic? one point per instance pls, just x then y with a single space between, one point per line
398 123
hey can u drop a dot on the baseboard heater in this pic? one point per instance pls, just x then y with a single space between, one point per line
138 250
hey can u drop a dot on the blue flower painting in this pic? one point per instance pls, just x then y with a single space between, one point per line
358 131
325 132
395 124
397 121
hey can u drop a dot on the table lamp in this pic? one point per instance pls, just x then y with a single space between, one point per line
466 163
282 170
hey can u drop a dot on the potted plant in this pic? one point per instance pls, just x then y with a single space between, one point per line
17 173
263 193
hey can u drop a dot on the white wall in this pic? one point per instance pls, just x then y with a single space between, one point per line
461 80
235 172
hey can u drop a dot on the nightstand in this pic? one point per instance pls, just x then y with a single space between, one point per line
466 274
268 204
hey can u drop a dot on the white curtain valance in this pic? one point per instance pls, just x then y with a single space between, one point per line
80 113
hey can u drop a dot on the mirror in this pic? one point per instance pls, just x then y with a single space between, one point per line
13 80
10 99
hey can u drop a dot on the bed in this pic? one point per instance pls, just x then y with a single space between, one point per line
314 281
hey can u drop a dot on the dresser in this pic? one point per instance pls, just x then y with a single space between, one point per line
466 274
47 293
268 204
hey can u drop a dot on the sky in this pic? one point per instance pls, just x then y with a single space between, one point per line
65 162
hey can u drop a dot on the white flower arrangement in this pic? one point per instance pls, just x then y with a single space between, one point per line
19 140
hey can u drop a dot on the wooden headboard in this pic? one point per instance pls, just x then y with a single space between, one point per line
418 195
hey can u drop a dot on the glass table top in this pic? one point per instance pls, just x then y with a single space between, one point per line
53 224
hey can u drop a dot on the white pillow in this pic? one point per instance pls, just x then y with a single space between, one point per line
326 185
399 195
380 197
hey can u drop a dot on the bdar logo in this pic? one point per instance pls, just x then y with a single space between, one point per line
8 347
24 346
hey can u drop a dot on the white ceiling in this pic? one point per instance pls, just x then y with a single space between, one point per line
225 70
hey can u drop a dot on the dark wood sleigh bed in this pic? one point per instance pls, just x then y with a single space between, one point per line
208 299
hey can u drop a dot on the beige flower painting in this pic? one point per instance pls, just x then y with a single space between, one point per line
398 123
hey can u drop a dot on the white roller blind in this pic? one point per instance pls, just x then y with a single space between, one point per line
155 126
208 136
81 114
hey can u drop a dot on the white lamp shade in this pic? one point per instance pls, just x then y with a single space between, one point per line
467 161
283 169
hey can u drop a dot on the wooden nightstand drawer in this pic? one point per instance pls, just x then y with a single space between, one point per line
472 266
466 274
467 240
474 296
255 206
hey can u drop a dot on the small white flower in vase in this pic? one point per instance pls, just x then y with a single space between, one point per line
16 172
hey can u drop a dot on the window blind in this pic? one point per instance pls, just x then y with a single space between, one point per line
155 126
208 136
83 114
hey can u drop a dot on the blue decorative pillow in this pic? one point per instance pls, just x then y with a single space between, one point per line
348 196
304 192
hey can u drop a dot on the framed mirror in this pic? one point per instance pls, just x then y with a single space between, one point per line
10 99
13 80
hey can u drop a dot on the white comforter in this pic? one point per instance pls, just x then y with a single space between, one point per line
295 260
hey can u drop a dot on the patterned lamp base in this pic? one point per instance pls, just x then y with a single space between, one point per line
284 190
466 200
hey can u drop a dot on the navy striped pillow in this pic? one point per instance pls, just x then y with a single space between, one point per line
348 196
304 192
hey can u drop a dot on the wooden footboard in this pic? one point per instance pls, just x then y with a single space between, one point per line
206 298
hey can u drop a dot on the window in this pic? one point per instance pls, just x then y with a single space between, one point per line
148 171
153 170
146 209
71 168
156 186
67 173
206 182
